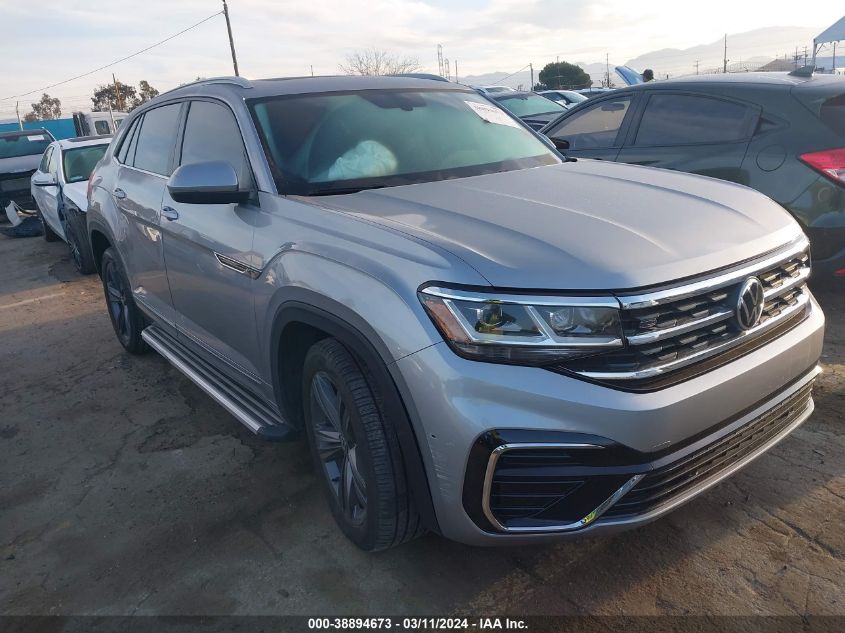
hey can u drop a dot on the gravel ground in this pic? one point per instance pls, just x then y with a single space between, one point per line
124 489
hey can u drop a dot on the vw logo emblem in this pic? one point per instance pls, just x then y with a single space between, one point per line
749 305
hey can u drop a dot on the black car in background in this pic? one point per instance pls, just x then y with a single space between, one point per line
20 154
782 134
534 110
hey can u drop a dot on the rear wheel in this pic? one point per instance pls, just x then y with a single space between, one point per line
356 450
126 318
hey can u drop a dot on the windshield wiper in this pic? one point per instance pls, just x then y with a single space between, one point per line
339 191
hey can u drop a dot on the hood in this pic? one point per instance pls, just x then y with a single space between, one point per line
77 192
585 225
17 164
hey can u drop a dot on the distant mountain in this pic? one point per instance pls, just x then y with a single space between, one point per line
746 51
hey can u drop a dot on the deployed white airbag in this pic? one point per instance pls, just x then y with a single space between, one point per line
368 159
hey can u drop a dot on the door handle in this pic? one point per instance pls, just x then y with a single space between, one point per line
170 213
119 193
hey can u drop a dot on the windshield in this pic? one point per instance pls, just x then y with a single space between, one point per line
529 105
79 162
346 141
23 144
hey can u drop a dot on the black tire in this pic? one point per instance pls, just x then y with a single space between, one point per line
80 251
126 318
49 235
376 473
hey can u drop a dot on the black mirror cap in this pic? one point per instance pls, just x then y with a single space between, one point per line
208 182
560 143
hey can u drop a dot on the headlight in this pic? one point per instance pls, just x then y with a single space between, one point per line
526 330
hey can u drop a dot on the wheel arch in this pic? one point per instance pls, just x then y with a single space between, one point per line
100 240
308 317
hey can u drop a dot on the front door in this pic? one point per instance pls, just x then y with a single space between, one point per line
207 248
595 129
48 196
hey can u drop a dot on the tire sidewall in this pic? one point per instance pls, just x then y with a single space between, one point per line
133 342
364 535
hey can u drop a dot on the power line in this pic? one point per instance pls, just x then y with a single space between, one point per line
123 59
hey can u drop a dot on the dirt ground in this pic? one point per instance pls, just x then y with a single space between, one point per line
124 489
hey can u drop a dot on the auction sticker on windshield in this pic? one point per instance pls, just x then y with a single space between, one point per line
491 114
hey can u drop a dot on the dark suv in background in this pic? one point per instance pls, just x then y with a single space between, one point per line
782 134
20 154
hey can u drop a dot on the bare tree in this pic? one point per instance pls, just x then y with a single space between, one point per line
378 62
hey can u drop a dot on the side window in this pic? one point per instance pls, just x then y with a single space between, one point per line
211 133
127 143
156 139
45 160
53 165
102 127
689 119
595 127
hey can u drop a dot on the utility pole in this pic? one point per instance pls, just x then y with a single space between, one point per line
696 65
606 70
231 41
833 65
795 59
532 75
118 98
18 113
312 70
456 71
725 58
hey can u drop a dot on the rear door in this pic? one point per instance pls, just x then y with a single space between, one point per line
146 157
699 134
595 129
208 249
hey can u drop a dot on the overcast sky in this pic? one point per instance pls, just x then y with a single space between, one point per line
47 41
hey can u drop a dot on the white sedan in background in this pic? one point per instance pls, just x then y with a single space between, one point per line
59 187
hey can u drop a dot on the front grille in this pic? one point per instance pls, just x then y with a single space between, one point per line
667 330
16 184
662 485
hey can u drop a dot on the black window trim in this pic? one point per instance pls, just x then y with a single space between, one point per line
627 121
752 116
45 159
179 123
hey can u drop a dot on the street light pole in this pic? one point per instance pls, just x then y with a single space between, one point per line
231 41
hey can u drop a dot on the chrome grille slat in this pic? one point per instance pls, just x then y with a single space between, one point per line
670 329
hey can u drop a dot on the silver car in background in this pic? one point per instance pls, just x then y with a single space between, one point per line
476 336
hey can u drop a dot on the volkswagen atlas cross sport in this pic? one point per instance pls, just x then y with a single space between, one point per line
476 335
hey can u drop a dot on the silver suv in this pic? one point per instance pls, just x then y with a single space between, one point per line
477 336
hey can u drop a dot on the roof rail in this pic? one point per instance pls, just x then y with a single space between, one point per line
236 81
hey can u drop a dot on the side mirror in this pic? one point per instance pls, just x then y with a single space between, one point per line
209 182
560 143
47 181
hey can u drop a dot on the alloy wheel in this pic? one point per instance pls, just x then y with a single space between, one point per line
337 447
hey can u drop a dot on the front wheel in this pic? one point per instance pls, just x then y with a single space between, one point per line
355 450
80 253
126 318
49 234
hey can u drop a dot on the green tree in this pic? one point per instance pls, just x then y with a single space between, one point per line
145 93
560 75
121 99
47 108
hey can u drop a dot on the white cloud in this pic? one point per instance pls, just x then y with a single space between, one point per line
55 39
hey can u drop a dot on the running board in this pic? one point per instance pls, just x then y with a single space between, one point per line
261 418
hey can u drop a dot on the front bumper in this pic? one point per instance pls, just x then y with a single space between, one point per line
453 402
